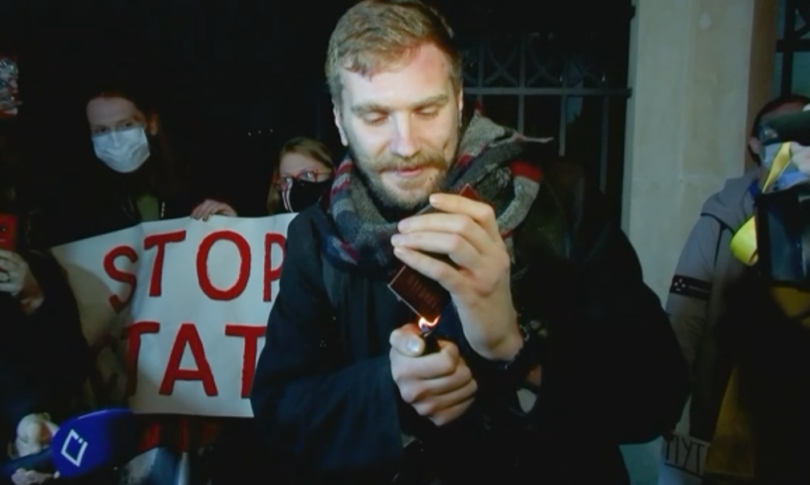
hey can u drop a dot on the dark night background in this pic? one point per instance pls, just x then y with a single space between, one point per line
236 77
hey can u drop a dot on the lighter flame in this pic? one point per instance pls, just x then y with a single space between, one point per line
425 325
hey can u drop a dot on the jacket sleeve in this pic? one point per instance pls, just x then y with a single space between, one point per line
334 414
614 370
689 294
58 318
58 359
19 397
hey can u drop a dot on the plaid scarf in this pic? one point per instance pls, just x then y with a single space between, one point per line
488 160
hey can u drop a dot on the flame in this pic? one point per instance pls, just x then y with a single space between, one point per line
425 325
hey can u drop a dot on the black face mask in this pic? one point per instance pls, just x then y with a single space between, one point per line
302 194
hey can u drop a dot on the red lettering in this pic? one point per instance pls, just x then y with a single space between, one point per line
121 276
133 335
160 240
151 437
209 433
188 336
244 268
272 274
251 334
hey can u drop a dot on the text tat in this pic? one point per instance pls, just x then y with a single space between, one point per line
188 339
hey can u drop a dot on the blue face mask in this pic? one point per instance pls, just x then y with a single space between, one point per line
769 154
790 176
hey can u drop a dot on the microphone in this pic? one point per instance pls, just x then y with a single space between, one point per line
84 444
786 128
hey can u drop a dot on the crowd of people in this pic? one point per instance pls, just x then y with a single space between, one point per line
551 348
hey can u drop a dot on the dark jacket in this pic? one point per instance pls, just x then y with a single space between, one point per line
89 217
324 397
43 356
772 354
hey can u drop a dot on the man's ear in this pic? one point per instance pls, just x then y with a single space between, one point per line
153 123
339 124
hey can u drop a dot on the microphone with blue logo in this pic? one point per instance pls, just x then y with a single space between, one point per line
83 445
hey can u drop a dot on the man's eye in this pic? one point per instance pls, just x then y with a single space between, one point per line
308 176
430 113
374 120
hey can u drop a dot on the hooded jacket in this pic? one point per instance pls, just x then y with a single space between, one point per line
698 295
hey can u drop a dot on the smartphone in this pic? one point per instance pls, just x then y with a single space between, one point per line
8 232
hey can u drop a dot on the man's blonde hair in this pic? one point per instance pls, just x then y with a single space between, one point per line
380 34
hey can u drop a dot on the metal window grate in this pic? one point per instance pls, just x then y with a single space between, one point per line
792 62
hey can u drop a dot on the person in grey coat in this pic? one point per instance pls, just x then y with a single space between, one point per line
707 268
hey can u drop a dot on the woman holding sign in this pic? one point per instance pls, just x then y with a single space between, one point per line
142 184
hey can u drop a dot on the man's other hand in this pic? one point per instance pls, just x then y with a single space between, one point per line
439 386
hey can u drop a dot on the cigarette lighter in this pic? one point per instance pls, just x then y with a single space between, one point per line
429 336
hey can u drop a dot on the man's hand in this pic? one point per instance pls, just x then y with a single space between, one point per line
17 280
439 386
210 207
467 232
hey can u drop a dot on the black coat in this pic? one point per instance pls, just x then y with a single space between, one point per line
326 402
84 218
44 357
772 354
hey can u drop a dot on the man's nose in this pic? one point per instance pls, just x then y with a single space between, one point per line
403 142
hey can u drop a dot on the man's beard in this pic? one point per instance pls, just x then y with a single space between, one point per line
371 173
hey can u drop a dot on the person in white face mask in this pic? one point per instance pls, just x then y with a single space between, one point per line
140 181
707 269
122 150
144 184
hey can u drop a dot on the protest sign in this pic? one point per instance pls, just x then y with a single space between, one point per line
683 459
176 310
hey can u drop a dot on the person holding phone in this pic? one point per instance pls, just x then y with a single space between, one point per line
43 354
44 357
